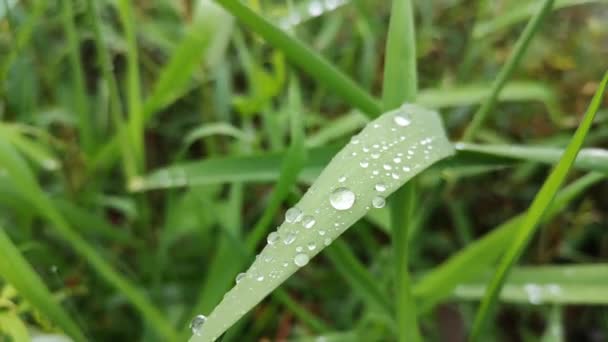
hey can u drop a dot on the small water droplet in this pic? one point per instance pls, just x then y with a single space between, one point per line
364 164
293 215
299 249
273 238
301 259
380 187
260 278
375 155
387 167
406 169
196 325
397 160
321 232
342 199
395 175
354 140
401 120
327 241
378 202
289 239
534 293
312 246
240 277
342 179
308 221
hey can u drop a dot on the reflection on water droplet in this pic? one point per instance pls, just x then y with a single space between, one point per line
301 259
308 221
402 120
378 202
289 239
342 199
342 179
380 187
293 215
397 160
375 155
272 238
364 164
534 293
240 277
196 325
312 246
260 278
387 167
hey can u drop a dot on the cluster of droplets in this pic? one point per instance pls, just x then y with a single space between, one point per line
536 293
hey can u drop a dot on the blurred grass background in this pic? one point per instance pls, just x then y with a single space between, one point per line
96 95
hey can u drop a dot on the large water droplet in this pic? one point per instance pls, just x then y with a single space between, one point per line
301 259
401 120
196 325
342 199
380 187
240 277
308 221
272 238
293 215
378 202
289 239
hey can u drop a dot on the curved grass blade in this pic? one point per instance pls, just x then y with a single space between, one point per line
537 209
302 56
577 284
388 152
505 72
482 254
591 159
15 269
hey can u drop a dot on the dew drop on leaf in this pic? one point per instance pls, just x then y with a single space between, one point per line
301 259
196 325
378 202
272 238
293 215
342 199
380 187
308 221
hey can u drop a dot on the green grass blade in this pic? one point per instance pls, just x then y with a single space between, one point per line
534 215
116 110
505 72
481 255
134 95
351 188
581 284
15 269
400 84
81 105
518 14
302 56
358 277
590 159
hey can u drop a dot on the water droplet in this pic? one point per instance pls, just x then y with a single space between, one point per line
312 246
308 221
260 278
375 155
534 293
301 259
406 169
375 172
364 164
378 202
342 199
289 239
321 232
196 325
354 140
342 179
315 9
395 175
299 249
293 215
240 277
380 187
387 167
327 241
273 238
401 120
397 160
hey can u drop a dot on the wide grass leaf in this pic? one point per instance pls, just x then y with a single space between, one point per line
379 160
537 210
